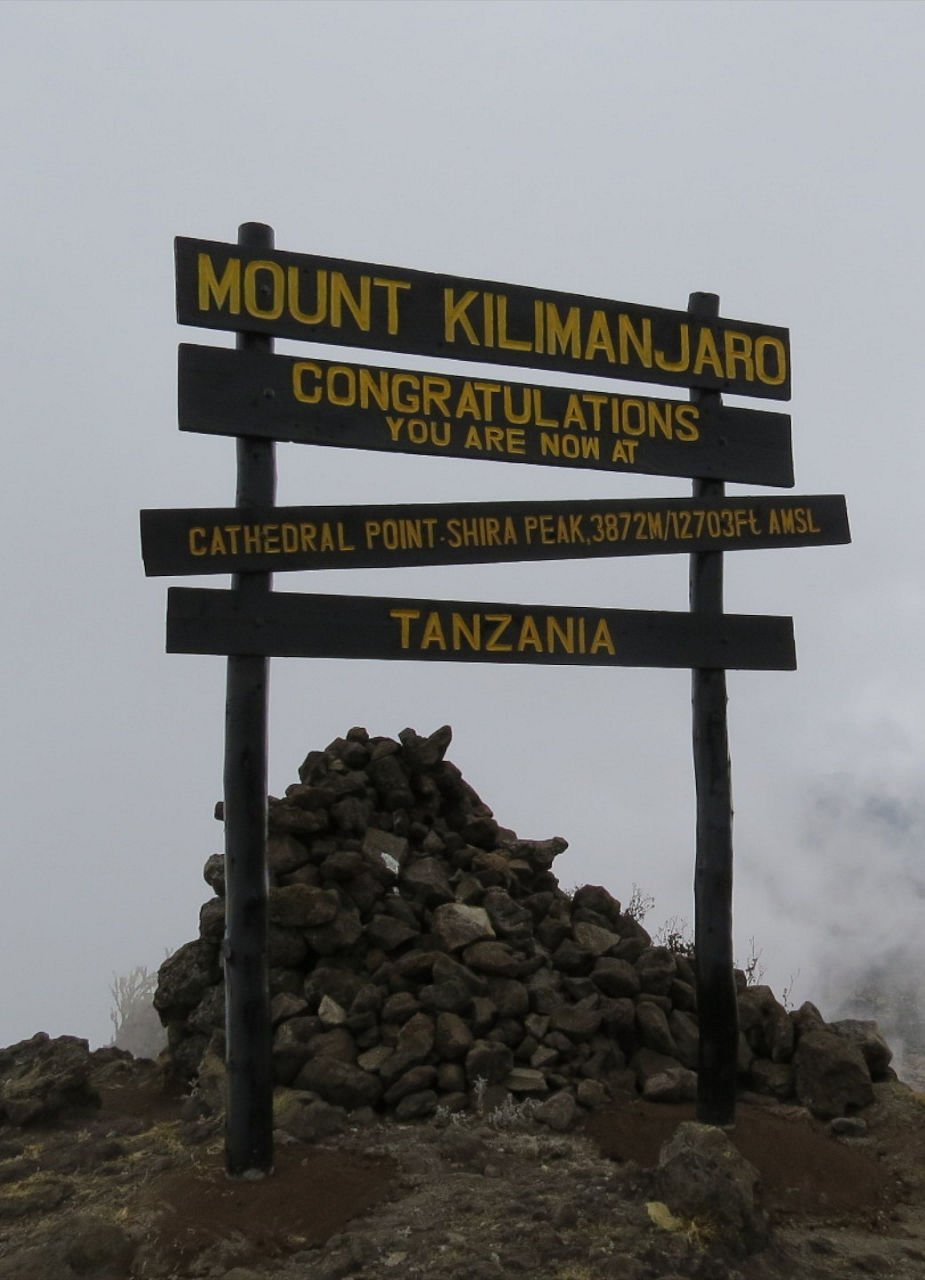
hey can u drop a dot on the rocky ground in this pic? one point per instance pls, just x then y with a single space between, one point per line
105 1173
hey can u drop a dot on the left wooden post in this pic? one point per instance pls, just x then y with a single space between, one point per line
249 1075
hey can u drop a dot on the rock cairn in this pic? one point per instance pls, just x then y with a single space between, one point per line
422 956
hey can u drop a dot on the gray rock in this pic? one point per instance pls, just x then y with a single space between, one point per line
388 934
184 977
42 1077
832 1077
677 1084
615 977
776 1079
340 1083
300 906
559 1113
766 1024
655 968
653 1030
495 958
598 941
526 1080
426 879
866 1035
489 1061
453 1037
284 854
686 1035
702 1175
458 925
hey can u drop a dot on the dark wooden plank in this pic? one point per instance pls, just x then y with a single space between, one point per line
224 540
362 304
352 406
323 626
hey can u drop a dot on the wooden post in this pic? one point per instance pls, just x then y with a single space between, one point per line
716 993
249 1099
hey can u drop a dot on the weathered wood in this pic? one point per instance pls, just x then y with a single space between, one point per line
717 1008
362 304
223 540
249 1104
288 624
312 401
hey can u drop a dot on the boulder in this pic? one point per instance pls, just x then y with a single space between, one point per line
703 1177
832 1078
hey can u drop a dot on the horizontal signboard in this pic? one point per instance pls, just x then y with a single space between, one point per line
363 304
322 626
231 540
322 402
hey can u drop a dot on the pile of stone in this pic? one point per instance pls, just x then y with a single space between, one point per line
422 956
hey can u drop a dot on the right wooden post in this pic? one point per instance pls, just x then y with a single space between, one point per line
716 991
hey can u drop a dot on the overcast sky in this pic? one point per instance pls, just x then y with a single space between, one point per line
770 153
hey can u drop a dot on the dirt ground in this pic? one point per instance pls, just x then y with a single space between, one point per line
136 1190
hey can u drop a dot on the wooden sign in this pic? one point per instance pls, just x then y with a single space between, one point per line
229 540
284 624
362 304
311 401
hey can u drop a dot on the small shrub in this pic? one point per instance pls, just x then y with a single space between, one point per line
135 1022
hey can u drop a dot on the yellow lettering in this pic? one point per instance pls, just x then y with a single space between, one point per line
405 618
217 545
510 344
563 335
686 417
374 390
411 403
565 635
342 296
295 300
707 353
433 632
641 344
538 419
299 370
228 289
763 345
599 338
195 545
508 401
436 393
454 313
502 621
738 347
348 395
463 631
273 295
468 403
602 638
271 543
573 416
677 366
391 288
529 635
